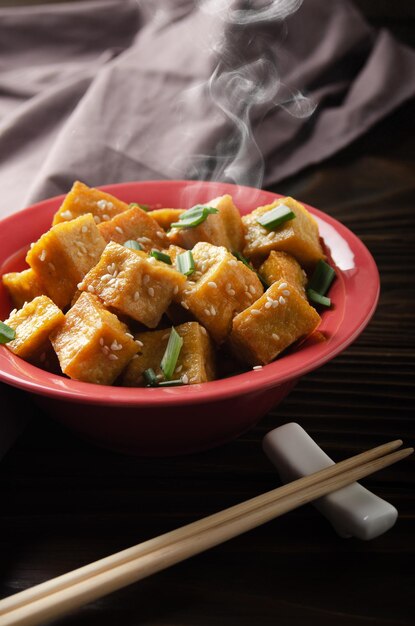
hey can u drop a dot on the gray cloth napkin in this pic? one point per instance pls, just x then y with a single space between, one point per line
110 91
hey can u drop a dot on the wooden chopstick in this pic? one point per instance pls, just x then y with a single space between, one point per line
57 596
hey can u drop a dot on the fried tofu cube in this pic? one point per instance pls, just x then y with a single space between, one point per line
282 266
83 199
166 217
220 229
33 324
196 362
219 288
64 254
271 324
133 283
134 224
299 236
92 344
23 286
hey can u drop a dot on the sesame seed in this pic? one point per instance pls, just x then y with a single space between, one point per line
97 219
129 335
281 300
134 357
160 234
106 277
106 217
32 244
232 262
67 215
255 312
257 367
146 279
79 286
143 239
110 205
207 312
91 288
115 346
14 311
185 379
231 292
139 343
176 289
101 341
166 335
152 260
42 255
113 357
105 350
283 285
102 204
203 330
51 267
84 229
271 235
268 305
150 292
275 336
252 289
119 230
178 369
286 292
275 303
211 283
212 309
184 305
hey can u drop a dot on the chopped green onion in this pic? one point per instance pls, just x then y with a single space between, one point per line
6 333
318 298
322 278
160 256
171 383
185 263
169 360
133 245
275 217
245 261
150 377
194 216
145 207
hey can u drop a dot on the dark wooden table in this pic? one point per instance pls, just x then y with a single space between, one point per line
65 503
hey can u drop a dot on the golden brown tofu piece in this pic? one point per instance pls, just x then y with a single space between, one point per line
196 362
166 217
23 286
219 288
134 224
83 199
220 229
282 266
93 345
299 236
275 321
33 324
133 283
64 254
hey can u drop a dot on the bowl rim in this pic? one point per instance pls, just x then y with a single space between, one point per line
288 368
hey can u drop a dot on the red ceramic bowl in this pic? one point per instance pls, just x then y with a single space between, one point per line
186 419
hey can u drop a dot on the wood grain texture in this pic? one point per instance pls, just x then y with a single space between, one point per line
66 503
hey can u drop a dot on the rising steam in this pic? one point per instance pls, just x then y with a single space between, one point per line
244 86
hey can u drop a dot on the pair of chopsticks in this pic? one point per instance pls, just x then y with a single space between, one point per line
60 595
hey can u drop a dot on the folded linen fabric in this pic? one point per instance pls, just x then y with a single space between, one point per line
252 92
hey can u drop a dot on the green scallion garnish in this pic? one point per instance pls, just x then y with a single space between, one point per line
185 263
275 217
145 207
318 298
6 333
171 383
133 245
194 216
245 261
150 377
160 256
169 360
322 278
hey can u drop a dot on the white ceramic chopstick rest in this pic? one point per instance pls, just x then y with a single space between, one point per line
353 510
